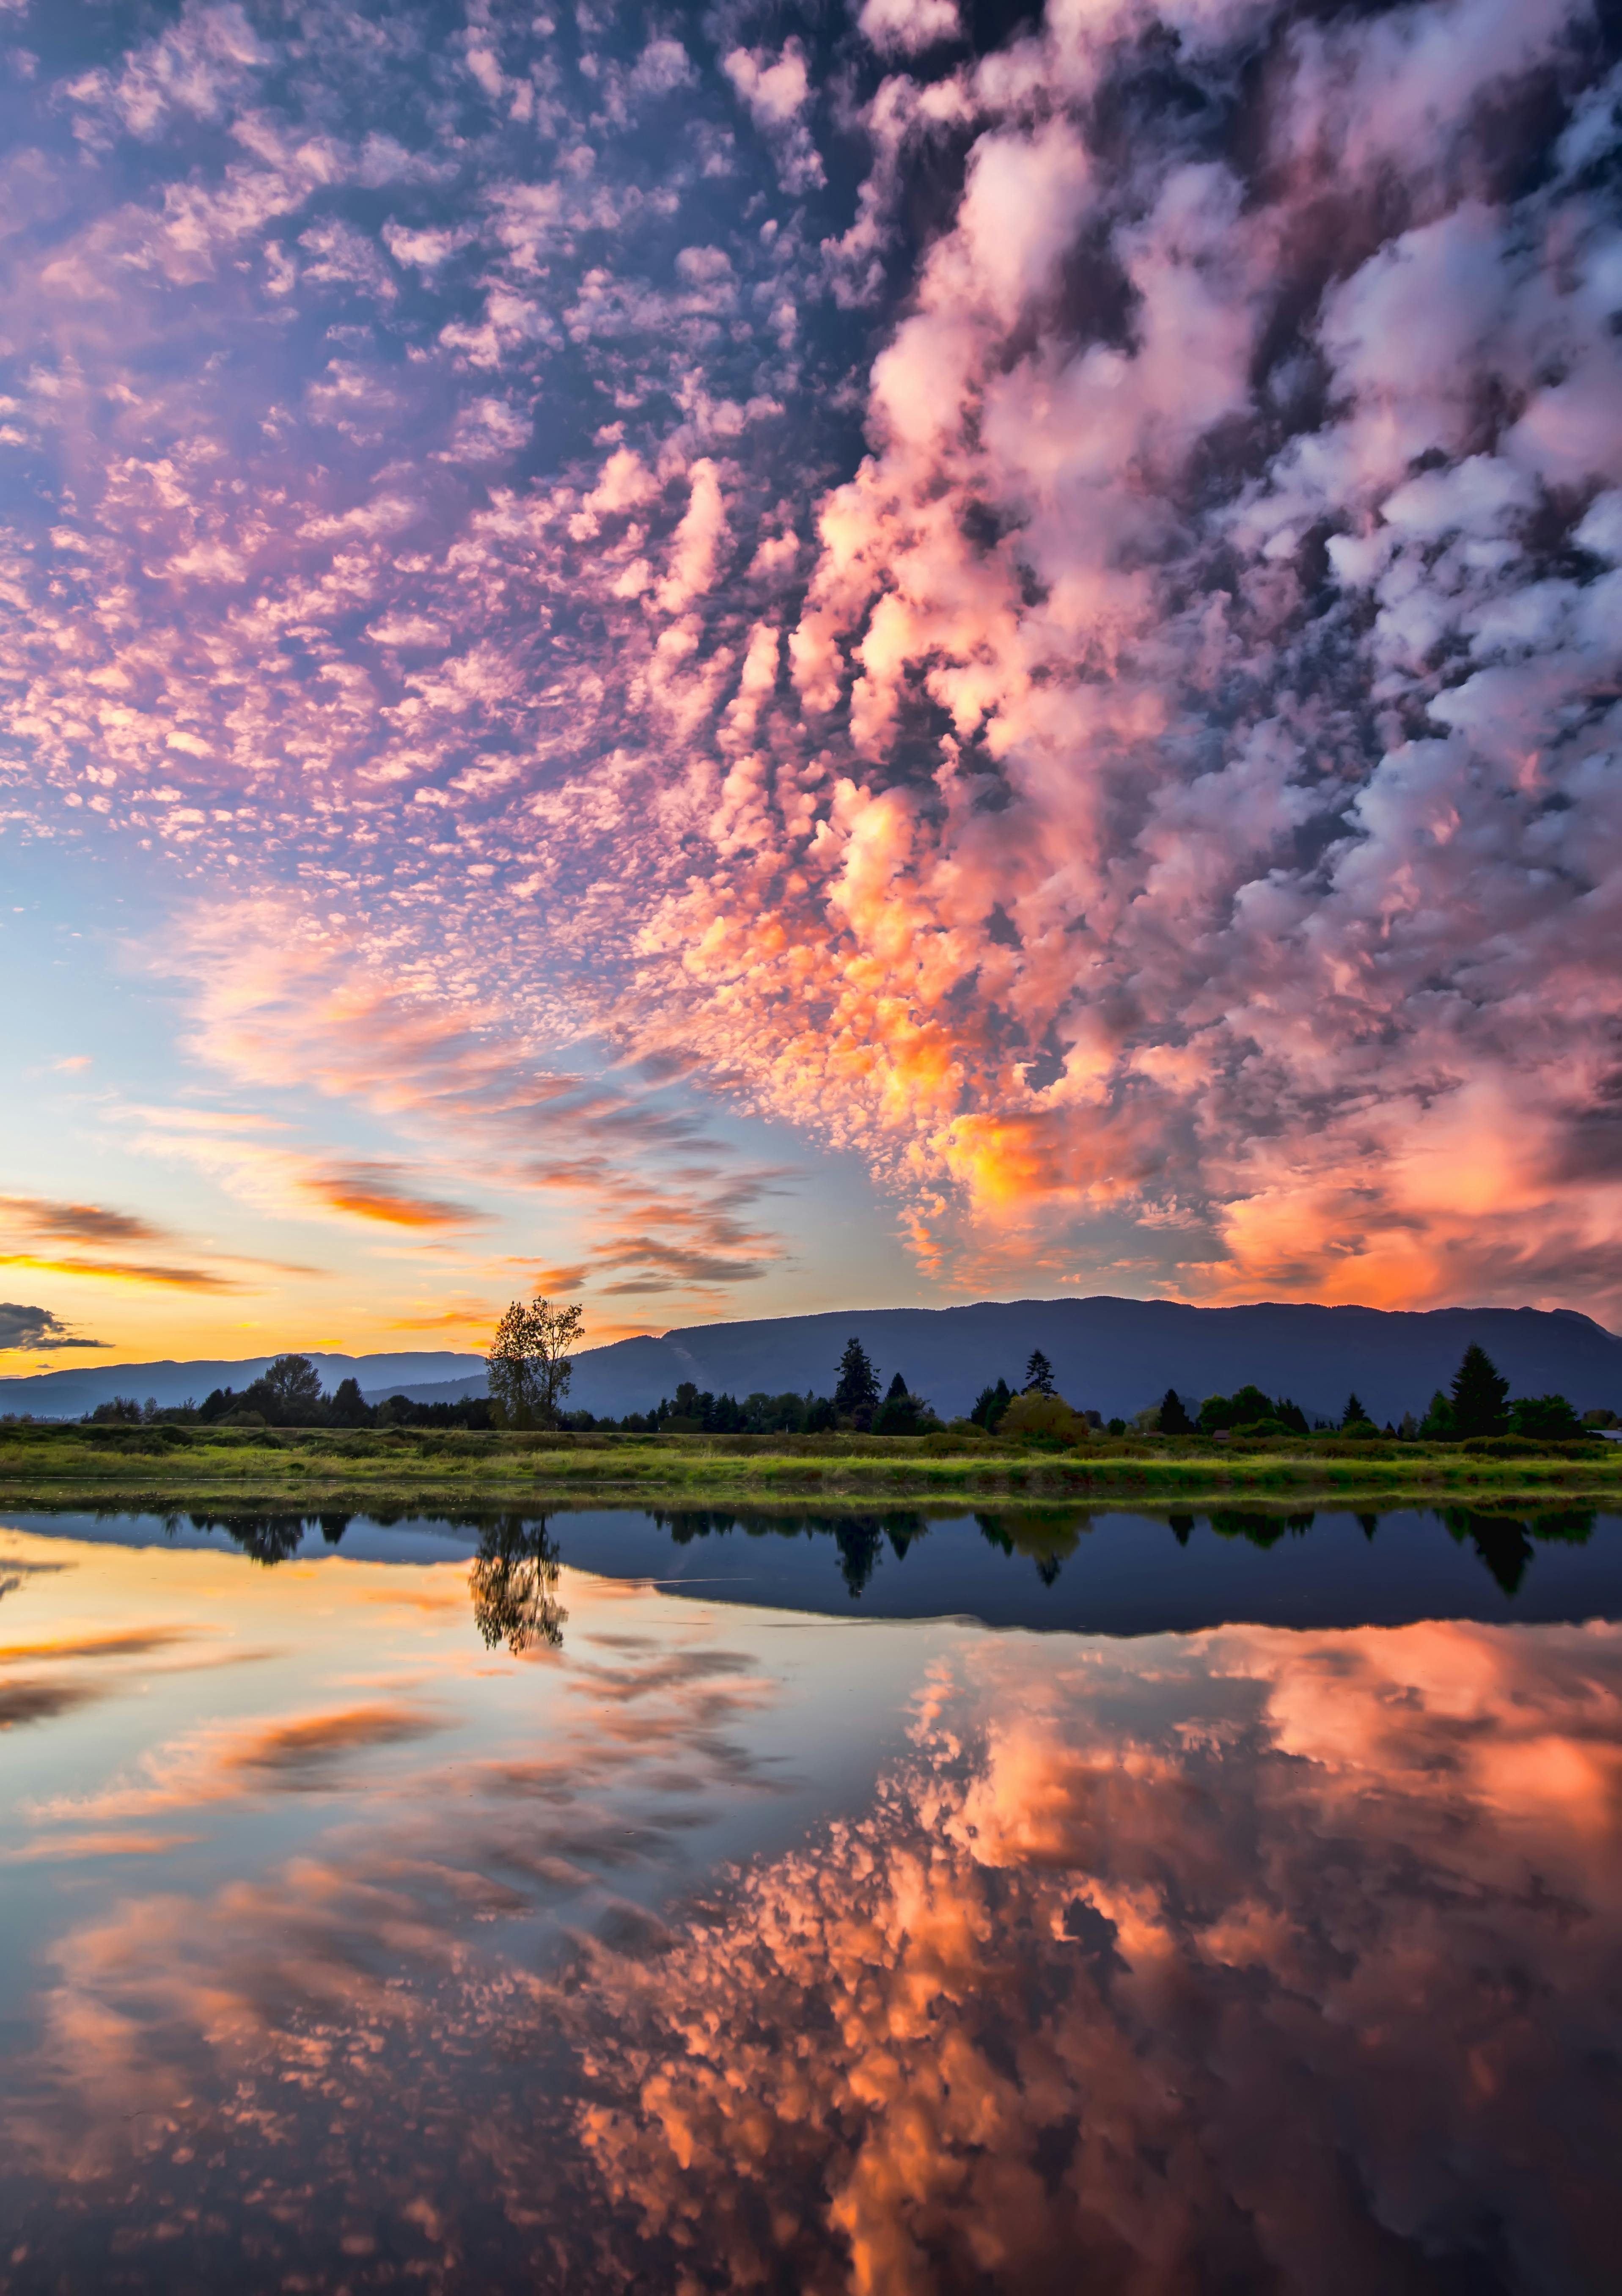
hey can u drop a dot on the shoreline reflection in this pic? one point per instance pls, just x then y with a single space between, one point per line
1255 1958
1073 1568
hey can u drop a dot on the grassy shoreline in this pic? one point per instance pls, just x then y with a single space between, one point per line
432 1471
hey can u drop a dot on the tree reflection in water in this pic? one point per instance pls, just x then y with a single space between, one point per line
1504 1542
860 1539
514 1581
266 1538
1283 1962
1047 1538
515 1574
1050 1535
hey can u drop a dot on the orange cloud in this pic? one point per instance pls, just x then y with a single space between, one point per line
1158 816
62 1847
1039 1996
111 1271
374 1192
57 1222
77 1223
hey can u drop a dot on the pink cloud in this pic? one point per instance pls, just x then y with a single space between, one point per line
1040 1994
1175 816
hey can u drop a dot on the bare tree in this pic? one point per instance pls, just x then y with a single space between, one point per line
528 1365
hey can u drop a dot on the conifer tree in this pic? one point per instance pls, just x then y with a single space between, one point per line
1174 1419
348 1406
1354 1414
1436 1426
1479 1395
990 1404
1040 1374
858 1386
898 1415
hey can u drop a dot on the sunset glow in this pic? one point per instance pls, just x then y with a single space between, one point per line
752 661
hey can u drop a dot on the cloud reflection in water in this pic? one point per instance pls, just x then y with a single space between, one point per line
1244 1959
1286 1961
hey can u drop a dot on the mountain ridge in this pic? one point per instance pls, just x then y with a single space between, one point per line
1109 1354
171 1380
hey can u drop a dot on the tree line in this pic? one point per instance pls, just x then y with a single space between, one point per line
531 1365
1476 1405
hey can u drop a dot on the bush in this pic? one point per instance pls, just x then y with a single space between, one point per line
1247 1407
902 1413
1035 1414
1545 1418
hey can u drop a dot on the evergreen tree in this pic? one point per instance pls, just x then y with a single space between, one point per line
898 1414
1040 1374
1174 1419
990 1404
348 1406
860 1542
858 1386
1478 1396
1354 1415
1436 1426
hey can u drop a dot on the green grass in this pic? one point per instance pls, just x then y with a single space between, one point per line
428 1470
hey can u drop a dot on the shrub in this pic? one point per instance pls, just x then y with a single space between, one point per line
1035 1414
1545 1418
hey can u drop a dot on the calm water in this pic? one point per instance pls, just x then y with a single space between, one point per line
1026 1902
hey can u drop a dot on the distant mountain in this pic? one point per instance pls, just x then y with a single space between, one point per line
69 1394
1112 1355
434 1391
1115 1356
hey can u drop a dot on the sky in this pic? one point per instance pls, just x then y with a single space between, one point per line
737 661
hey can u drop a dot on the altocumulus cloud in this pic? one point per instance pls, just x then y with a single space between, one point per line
1047 611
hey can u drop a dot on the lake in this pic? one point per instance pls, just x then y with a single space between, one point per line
912 1902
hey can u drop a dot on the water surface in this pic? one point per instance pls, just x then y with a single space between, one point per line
1030 1901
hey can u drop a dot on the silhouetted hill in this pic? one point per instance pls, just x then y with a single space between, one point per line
1112 1355
69 1394
1115 1356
